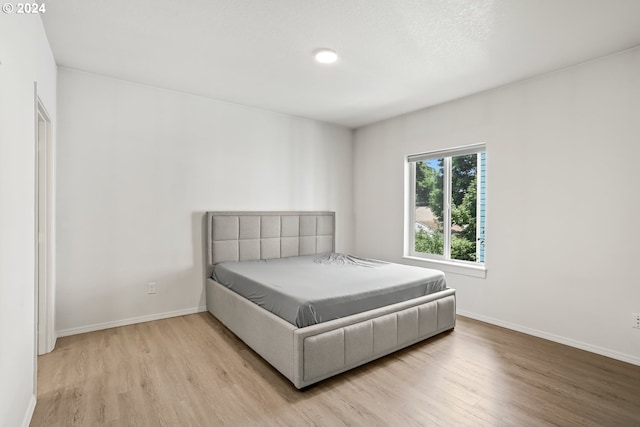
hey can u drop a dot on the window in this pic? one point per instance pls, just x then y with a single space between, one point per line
447 205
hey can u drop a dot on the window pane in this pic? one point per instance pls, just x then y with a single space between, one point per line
464 203
449 204
429 237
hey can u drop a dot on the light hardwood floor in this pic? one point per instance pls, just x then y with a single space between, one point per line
191 371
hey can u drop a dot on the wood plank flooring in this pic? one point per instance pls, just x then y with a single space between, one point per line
191 371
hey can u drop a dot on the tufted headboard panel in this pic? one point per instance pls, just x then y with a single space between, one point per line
241 236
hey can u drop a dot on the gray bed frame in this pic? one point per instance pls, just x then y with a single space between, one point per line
313 353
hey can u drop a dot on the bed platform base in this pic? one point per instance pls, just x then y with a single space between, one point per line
313 353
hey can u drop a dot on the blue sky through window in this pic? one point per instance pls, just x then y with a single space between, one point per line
433 164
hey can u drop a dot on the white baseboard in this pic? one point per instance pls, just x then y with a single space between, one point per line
130 321
556 338
29 414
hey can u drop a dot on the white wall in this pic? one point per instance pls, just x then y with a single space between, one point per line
25 57
138 166
563 200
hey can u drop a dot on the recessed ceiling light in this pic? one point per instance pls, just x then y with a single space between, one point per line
325 56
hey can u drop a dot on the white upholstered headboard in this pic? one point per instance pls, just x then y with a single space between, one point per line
240 236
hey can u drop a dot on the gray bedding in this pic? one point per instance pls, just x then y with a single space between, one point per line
307 290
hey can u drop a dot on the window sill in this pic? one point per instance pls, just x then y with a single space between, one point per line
452 267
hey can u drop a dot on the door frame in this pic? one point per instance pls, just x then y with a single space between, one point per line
45 338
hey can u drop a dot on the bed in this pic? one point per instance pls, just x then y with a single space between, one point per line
324 344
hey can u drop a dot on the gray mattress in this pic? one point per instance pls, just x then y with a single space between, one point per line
307 290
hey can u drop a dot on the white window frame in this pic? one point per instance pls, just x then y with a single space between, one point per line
441 262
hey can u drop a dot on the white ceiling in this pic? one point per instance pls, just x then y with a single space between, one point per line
396 56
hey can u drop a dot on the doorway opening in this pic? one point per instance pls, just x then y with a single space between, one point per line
44 311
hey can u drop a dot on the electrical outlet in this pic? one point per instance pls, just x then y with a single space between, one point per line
636 320
151 287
